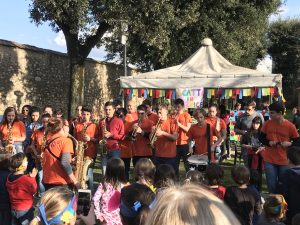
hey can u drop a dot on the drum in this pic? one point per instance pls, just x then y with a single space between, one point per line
198 162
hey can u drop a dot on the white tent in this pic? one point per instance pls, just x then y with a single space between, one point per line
205 68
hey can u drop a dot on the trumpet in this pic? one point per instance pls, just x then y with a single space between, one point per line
134 132
153 137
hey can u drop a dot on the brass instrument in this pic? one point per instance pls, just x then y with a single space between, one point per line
103 141
134 132
153 136
9 148
82 163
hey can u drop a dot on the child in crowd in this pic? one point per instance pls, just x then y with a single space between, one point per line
144 172
194 177
192 205
289 183
242 200
21 188
214 175
274 211
164 177
5 212
107 197
135 204
254 147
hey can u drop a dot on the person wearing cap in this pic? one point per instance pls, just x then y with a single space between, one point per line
277 135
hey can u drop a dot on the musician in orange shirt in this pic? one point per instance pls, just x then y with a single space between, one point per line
150 114
75 120
56 160
184 121
12 130
167 134
87 132
126 153
141 130
38 140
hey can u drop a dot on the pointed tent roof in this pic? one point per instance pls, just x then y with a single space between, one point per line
205 68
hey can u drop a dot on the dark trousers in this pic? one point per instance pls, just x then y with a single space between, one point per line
127 162
135 159
182 152
5 216
163 160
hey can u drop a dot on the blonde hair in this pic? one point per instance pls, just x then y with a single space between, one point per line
190 205
55 201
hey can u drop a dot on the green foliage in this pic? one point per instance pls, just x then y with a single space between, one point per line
164 33
284 42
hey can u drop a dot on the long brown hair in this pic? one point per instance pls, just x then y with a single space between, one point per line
55 125
8 110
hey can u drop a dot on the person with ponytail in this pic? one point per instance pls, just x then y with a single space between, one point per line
136 200
57 170
21 188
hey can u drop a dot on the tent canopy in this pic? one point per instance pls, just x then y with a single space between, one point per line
205 68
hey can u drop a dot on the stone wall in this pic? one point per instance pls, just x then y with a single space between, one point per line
35 76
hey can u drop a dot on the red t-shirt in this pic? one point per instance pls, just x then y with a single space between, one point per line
53 172
278 133
141 145
92 131
116 127
21 191
153 117
199 135
219 191
164 146
37 138
183 118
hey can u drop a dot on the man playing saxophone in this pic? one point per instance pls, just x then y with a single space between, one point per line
167 134
87 132
141 131
114 132
12 131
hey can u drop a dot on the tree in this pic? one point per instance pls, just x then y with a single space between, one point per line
156 40
284 42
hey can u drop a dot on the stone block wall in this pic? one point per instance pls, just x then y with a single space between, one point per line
35 76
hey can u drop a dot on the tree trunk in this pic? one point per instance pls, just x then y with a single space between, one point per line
76 96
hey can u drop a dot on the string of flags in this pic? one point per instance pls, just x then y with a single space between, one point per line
223 93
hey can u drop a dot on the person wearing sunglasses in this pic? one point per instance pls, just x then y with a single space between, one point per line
24 116
142 128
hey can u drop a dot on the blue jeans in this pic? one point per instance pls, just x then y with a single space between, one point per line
273 173
91 179
115 153
22 217
40 179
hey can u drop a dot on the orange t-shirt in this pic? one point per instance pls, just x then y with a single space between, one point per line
183 118
199 135
53 171
164 146
18 130
278 133
37 138
92 131
213 122
153 117
141 145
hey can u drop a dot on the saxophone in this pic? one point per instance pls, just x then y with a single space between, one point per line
83 163
103 141
153 136
9 148
134 132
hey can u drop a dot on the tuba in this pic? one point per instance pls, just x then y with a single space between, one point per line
83 163
152 136
9 148
103 141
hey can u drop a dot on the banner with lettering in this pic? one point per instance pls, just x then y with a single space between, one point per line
193 98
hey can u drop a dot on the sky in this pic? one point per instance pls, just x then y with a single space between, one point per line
15 25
